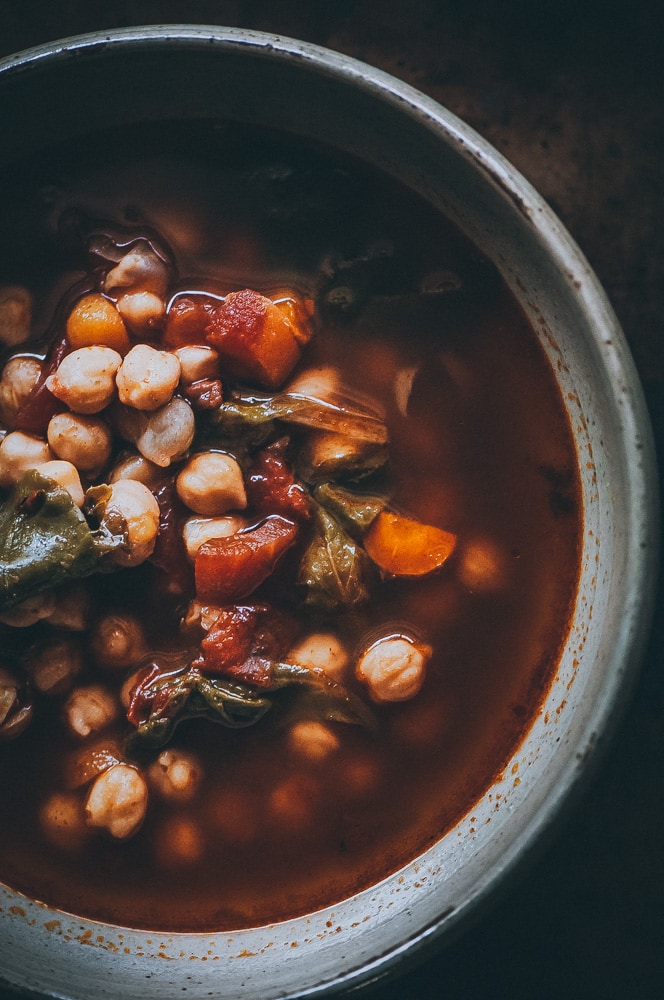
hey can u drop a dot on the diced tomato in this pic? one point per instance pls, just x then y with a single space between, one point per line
272 487
169 553
205 394
187 319
230 639
244 642
257 338
228 569
146 696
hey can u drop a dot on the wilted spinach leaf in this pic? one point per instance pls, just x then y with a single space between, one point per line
355 511
334 569
45 540
176 696
240 413
188 694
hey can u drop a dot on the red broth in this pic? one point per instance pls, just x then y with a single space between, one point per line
480 446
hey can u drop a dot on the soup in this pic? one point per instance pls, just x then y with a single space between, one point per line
305 589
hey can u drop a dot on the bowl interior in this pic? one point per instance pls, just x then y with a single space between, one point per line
65 91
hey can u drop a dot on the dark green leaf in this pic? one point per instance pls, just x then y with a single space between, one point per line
190 695
333 456
355 511
45 540
323 698
237 705
339 415
334 569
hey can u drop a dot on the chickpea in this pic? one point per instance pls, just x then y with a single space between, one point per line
179 841
15 315
136 467
54 667
141 310
211 484
117 801
135 503
128 422
139 270
200 616
175 776
313 740
322 383
197 362
33 609
88 710
19 377
320 651
197 530
291 804
161 436
85 379
62 821
20 452
360 777
15 706
393 668
482 565
118 642
326 452
147 377
65 475
85 441
71 607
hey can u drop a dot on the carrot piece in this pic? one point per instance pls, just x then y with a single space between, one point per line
229 568
95 320
257 338
403 546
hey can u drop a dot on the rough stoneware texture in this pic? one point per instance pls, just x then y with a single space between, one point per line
467 861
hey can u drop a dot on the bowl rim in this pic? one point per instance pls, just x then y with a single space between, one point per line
627 396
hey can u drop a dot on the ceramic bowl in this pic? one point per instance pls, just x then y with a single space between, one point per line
52 93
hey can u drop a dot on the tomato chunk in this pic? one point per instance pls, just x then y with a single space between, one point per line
272 487
187 319
169 553
257 338
228 569
244 643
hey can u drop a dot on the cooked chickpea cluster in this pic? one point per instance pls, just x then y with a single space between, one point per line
101 789
121 403
113 389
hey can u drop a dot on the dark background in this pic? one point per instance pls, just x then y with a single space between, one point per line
573 95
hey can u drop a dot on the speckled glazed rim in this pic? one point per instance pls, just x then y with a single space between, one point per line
266 79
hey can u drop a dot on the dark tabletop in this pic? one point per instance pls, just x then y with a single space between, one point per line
573 94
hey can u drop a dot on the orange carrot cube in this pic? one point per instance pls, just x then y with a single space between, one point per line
94 320
403 546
